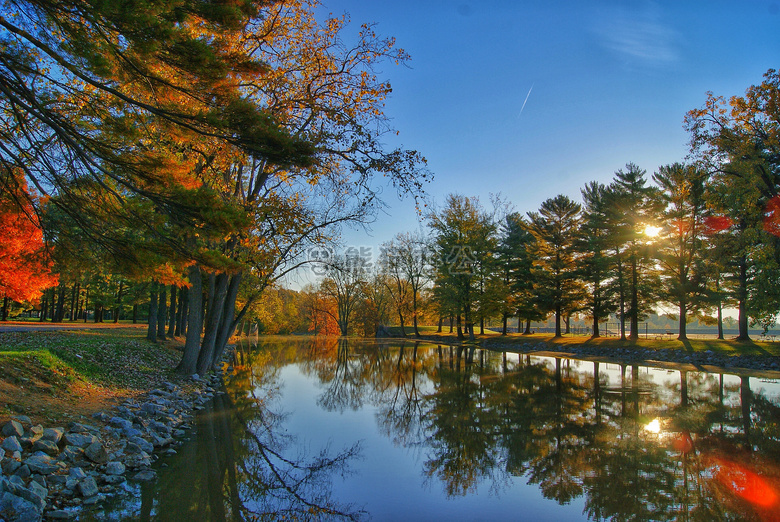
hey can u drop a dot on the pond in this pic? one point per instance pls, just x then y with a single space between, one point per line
337 429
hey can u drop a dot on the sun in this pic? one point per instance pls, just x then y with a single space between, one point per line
652 231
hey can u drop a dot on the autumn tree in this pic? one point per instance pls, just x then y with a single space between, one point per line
25 264
515 256
343 284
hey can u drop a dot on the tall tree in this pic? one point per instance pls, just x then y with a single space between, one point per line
594 247
555 228
515 257
681 250
638 207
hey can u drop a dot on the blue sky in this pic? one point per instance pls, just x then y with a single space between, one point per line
610 83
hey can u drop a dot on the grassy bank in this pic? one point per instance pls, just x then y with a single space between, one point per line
56 376
722 347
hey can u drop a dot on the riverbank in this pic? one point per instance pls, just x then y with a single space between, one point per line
82 412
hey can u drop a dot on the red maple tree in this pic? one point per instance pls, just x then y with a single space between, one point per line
25 266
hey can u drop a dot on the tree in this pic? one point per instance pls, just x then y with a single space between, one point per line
594 245
683 274
25 265
344 285
462 232
555 228
406 260
515 257
638 207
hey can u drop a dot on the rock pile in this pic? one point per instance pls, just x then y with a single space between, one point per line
53 472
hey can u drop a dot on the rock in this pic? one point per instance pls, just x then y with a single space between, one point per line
77 427
71 453
42 464
60 514
23 471
90 501
195 377
114 479
88 487
12 444
79 440
13 428
145 475
115 468
77 473
39 491
40 479
96 453
142 443
10 466
24 419
20 509
48 447
53 434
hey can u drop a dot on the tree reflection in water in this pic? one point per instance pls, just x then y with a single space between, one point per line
240 464
631 443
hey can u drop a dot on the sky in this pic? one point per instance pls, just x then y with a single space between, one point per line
532 99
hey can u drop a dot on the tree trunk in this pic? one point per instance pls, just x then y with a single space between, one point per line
229 321
460 330
86 302
151 331
135 313
172 314
189 360
527 327
118 306
742 296
596 332
441 322
161 309
5 308
184 299
74 302
401 320
558 322
505 321
683 322
213 318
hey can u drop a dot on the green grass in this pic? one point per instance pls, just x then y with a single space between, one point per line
116 357
724 347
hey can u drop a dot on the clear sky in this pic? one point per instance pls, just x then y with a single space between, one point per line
536 98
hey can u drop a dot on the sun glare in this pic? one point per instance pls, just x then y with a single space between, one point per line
654 426
651 231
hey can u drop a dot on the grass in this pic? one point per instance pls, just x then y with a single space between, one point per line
723 347
46 374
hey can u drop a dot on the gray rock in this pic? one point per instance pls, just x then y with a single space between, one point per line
115 468
78 427
57 480
114 479
10 466
96 453
35 431
77 473
23 471
13 428
145 445
40 479
79 440
88 487
38 490
60 514
12 444
48 447
71 453
40 463
121 423
145 475
53 434
24 419
90 501
19 508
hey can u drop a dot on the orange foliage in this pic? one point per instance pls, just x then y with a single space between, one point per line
772 216
322 314
25 267
715 224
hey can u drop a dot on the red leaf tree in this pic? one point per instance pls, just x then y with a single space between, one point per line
25 266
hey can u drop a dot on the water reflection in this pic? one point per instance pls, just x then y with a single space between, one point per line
632 442
463 434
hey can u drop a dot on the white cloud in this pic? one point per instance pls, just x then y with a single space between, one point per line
639 35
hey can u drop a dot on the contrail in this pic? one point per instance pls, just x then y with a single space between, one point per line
526 99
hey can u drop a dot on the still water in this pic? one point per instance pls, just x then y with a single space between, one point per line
335 429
